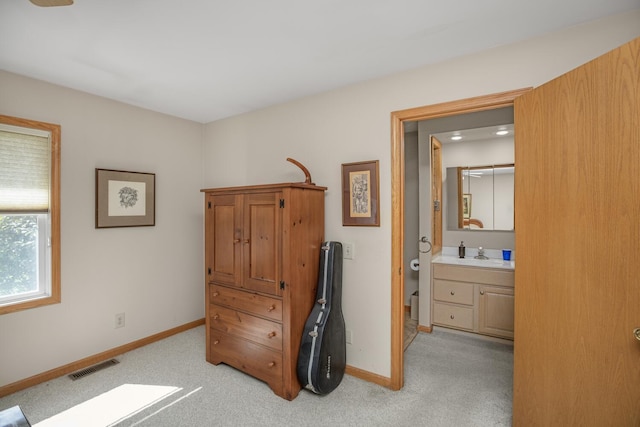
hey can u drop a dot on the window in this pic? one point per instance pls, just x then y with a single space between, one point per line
29 214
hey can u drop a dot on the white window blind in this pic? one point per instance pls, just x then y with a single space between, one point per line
24 170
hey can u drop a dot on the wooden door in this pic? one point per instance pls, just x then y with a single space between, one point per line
224 222
261 242
436 193
576 361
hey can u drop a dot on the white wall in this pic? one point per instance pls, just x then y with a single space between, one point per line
152 274
353 124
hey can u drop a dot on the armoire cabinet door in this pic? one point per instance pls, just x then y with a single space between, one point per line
261 242
224 239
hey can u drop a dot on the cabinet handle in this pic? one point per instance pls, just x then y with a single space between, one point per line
246 241
453 293
271 308
481 292
215 294
271 334
236 241
216 317
452 317
216 342
271 364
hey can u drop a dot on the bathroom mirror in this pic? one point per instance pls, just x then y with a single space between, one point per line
478 176
480 197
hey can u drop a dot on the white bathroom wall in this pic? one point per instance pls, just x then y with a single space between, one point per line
353 124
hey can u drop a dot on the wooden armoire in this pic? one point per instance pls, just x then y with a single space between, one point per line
262 251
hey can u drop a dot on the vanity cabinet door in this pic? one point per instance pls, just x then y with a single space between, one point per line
495 311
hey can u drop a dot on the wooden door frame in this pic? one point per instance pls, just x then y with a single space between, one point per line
469 105
436 226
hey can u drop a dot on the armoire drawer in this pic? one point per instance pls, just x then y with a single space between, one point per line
453 315
454 292
246 301
254 359
244 325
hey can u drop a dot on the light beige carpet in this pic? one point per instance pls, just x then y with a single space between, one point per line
450 380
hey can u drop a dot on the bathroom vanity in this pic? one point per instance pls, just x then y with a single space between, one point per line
473 295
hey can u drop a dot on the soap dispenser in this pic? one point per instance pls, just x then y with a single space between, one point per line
461 250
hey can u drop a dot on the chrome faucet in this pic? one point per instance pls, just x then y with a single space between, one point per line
481 254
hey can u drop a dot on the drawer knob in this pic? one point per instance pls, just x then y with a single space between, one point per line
271 364
453 293
215 294
216 317
271 334
216 342
271 308
452 317
481 292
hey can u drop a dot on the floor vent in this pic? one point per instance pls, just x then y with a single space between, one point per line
91 369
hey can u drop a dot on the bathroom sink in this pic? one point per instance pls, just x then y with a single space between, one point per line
474 262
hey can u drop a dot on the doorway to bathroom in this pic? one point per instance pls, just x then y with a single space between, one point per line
464 152
399 120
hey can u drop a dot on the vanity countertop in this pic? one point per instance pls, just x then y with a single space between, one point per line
473 262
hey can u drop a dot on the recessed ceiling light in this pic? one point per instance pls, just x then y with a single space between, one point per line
456 138
502 132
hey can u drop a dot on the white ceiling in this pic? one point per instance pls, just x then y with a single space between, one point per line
208 59
476 135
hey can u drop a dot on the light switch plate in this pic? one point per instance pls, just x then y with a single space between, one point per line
347 252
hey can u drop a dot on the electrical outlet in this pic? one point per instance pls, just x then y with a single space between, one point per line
349 336
347 251
119 321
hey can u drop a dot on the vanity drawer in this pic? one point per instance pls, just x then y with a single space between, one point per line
483 275
246 301
244 325
455 292
453 315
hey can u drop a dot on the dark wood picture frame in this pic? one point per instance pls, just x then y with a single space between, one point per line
360 194
125 199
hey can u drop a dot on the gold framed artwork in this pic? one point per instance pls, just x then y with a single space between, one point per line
125 199
466 206
360 194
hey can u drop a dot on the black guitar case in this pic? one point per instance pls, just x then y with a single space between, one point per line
323 352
